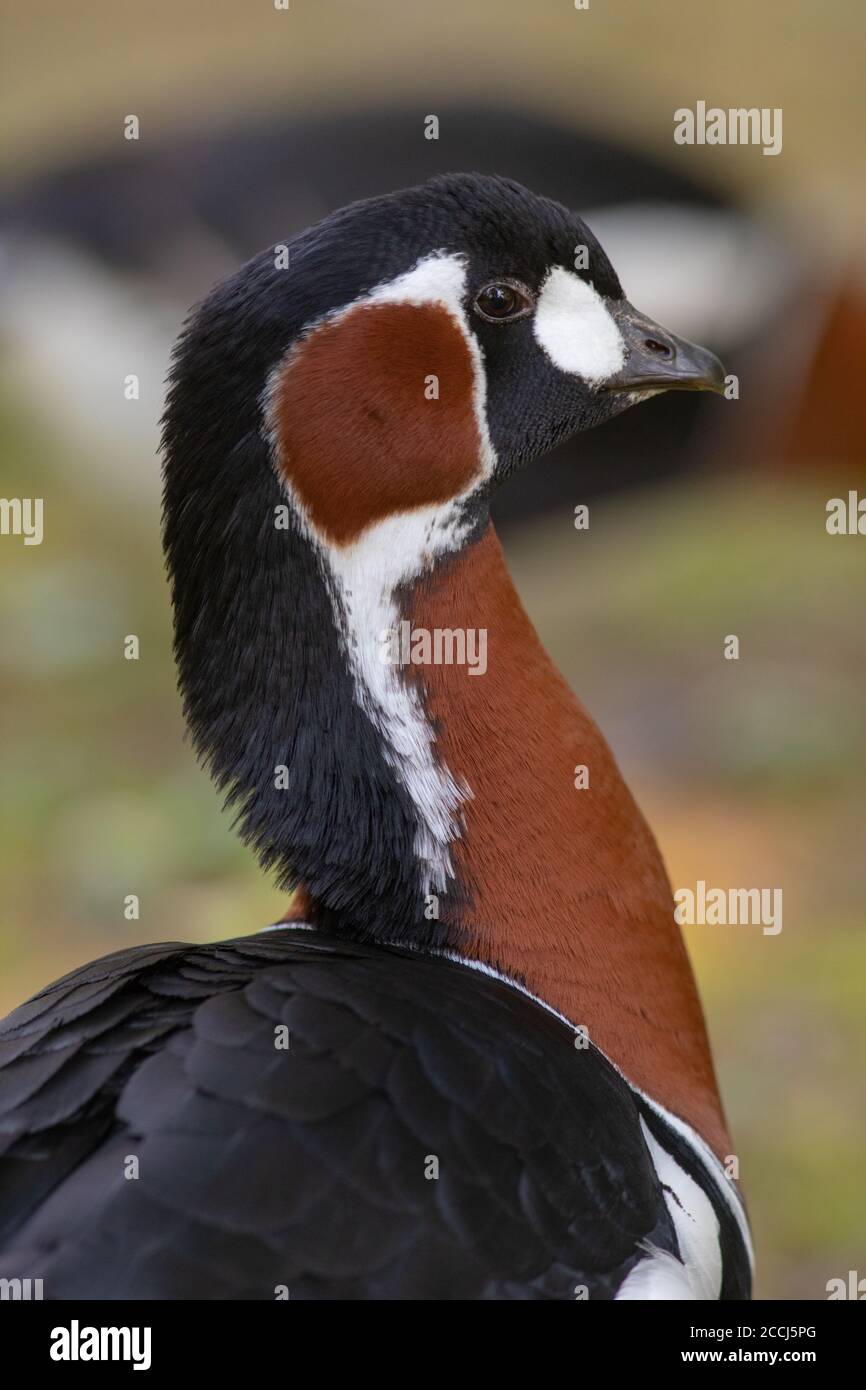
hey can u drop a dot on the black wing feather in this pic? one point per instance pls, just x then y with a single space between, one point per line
260 1167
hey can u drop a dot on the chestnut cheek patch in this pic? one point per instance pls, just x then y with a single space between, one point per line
373 415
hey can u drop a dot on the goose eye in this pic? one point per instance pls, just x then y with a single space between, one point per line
503 301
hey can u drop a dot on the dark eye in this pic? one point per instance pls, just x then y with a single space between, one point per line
503 301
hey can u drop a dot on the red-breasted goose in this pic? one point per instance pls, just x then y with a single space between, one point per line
474 1064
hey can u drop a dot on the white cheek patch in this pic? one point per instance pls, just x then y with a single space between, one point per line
576 329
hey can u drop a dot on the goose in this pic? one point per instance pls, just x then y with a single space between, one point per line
470 1061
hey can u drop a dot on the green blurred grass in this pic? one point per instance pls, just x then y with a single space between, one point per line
102 796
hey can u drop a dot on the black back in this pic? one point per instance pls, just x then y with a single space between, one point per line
306 1168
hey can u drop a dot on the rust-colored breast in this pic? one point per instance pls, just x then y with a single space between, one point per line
568 888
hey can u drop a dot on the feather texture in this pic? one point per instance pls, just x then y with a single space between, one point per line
321 1177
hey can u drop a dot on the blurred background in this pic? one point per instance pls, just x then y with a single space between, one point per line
707 516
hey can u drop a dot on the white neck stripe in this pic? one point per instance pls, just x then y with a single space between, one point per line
365 575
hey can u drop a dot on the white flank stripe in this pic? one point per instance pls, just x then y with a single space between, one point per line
698 1275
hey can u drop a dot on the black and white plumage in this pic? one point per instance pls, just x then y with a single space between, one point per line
309 1167
156 1140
